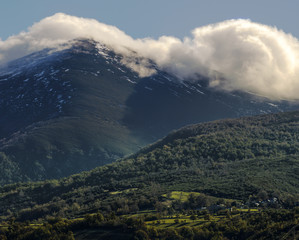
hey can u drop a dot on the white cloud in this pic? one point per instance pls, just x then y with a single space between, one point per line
235 54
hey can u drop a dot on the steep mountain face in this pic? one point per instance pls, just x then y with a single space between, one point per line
236 159
71 110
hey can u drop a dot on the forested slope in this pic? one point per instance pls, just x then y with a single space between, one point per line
235 159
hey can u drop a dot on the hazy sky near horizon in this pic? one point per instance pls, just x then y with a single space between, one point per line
140 18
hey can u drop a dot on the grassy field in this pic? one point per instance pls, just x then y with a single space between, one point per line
181 220
179 195
183 196
124 191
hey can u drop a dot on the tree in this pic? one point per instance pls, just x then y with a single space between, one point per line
187 232
141 235
193 217
171 234
262 195
207 217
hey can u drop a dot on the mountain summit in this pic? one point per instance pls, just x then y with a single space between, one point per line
66 111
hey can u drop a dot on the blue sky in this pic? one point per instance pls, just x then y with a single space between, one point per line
140 18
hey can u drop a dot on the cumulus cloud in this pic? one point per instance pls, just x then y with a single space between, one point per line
234 54
59 29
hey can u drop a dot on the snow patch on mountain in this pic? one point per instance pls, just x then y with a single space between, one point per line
235 55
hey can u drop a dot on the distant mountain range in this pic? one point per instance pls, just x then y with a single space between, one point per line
63 112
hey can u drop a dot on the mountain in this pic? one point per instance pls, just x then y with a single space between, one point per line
242 159
69 110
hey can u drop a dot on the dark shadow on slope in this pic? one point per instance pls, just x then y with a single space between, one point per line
158 106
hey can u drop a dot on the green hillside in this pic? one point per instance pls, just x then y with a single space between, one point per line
234 159
228 179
